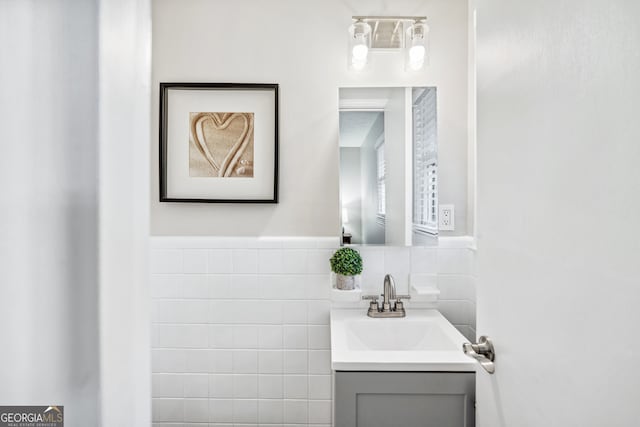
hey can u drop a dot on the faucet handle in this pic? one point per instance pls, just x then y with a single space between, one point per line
373 305
398 305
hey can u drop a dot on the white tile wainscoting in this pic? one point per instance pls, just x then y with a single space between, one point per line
240 328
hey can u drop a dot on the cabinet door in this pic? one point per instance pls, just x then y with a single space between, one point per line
407 399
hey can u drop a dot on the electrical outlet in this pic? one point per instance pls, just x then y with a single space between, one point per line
446 217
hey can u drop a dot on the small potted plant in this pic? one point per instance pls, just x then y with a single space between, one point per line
346 263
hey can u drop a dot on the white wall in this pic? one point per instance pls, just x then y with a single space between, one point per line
559 211
373 231
48 208
351 192
302 46
396 144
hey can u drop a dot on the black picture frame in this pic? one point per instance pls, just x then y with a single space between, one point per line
165 87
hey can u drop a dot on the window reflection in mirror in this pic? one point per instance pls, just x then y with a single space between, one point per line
388 166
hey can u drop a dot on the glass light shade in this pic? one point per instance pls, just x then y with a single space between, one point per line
359 44
416 40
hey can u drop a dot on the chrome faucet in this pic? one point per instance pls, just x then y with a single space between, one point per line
388 294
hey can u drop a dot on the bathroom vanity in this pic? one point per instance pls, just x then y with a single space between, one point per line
408 399
408 372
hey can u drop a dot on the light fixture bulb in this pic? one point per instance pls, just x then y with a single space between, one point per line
358 64
360 52
415 66
416 53
416 57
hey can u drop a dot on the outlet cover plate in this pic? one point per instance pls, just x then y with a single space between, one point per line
446 217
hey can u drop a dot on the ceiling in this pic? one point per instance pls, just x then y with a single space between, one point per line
355 126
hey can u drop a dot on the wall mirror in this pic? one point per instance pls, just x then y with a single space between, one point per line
388 166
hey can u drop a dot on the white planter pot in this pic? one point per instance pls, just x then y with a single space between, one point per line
345 283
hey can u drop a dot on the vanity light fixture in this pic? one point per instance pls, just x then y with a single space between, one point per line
407 34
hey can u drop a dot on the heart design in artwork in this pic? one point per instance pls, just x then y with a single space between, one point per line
222 139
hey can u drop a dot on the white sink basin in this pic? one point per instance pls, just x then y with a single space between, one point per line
422 341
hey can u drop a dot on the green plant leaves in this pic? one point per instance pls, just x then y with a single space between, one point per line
346 261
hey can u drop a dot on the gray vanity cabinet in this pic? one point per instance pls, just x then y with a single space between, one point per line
404 399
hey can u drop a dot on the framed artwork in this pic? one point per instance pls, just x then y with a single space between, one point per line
219 142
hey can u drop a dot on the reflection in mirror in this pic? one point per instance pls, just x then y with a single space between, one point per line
362 176
388 166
